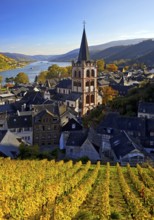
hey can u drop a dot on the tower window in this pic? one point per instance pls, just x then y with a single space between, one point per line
93 73
87 83
75 74
87 99
92 98
79 74
88 73
92 83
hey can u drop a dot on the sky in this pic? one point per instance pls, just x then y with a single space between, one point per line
55 26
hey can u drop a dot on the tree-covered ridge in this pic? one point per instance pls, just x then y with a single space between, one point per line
7 63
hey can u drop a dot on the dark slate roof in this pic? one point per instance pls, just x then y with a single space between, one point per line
53 107
84 50
73 96
121 88
42 113
31 98
77 138
9 108
65 84
63 97
146 107
115 121
72 125
2 134
122 145
20 121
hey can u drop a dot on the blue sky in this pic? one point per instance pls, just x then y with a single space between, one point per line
55 26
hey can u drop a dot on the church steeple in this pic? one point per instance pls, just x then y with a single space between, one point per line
84 50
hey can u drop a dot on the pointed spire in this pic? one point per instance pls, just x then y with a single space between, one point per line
84 50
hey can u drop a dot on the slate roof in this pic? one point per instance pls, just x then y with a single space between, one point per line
50 107
77 138
9 108
121 88
116 121
41 114
31 98
9 144
65 84
122 145
84 50
146 107
73 96
23 121
72 125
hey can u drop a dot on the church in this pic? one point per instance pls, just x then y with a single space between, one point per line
80 92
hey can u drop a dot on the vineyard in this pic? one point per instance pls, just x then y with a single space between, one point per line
66 191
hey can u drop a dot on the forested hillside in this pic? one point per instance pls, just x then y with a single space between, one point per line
7 63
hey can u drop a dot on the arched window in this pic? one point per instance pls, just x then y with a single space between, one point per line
79 74
92 83
75 74
92 98
93 73
75 83
87 83
88 73
87 99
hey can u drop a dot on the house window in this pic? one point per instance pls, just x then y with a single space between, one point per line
152 133
71 150
73 126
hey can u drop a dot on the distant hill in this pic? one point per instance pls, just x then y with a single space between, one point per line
7 63
95 51
140 50
18 56
148 59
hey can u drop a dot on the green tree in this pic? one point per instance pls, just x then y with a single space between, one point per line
100 66
21 78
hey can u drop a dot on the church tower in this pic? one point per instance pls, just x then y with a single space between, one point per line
84 78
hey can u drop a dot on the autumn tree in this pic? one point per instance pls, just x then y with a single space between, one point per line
21 78
108 94
42 77
53 71
100 66
111 67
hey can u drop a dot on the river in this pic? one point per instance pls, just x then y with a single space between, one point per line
32 69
